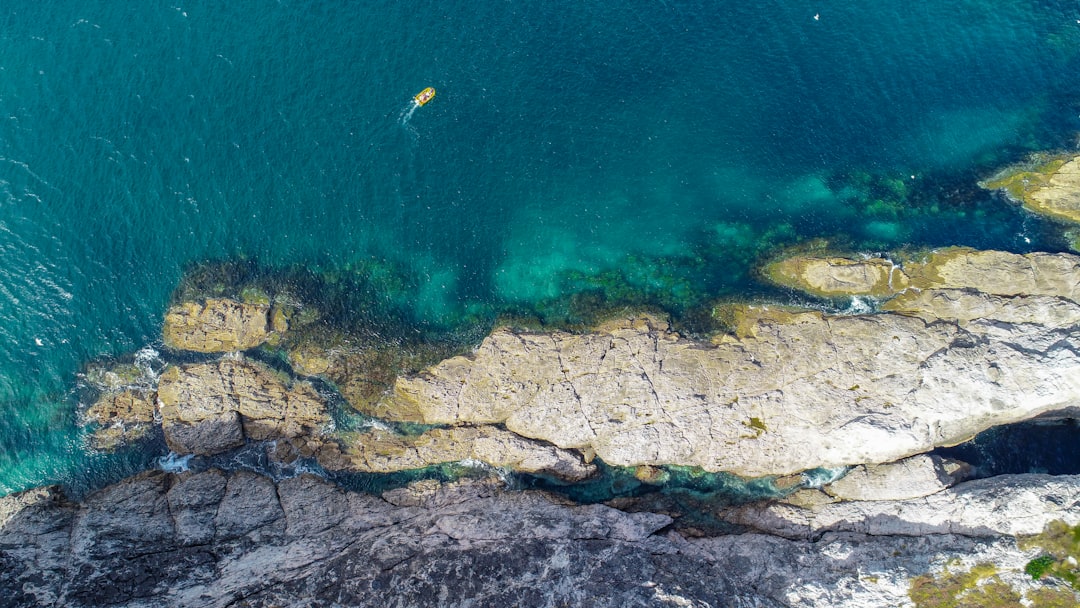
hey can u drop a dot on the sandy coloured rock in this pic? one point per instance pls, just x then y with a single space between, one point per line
912 477
1006 505
1048 186
204 405
831 277
954 268
120 417
790 390
217 325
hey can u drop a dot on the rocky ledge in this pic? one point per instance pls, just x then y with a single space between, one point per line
977 339
231 540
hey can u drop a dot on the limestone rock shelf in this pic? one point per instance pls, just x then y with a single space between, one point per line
979 339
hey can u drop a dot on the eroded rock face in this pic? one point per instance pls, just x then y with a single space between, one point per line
207 408
789 391
385 452
216 539
217 325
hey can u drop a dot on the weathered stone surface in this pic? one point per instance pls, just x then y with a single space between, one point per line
831 277
193 502
979 273
791 390
1007 505
999 273
380 451
1048 186
305 542
207 436
216 325
203 405
913 477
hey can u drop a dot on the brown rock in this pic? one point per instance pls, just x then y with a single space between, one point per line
216 325
121 417
1048 186
204 405
835 276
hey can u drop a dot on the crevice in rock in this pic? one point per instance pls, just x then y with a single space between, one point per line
1046 444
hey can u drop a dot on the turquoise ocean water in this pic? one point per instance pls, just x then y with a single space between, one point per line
659 147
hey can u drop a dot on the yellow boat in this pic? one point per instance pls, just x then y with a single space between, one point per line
424 96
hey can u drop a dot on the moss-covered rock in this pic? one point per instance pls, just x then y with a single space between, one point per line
1048 185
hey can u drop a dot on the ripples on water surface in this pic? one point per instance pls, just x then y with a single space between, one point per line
650 148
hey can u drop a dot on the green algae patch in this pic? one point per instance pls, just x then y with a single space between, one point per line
979 587
1060 544
756 426
1048 185
982 587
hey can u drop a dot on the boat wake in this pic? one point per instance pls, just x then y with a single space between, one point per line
406 115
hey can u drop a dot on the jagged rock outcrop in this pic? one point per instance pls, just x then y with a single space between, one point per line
218 325
121 417
789 390
379 451
217 539
207 408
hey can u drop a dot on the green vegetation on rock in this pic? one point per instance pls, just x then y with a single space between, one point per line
1018 181
1060 544
979 587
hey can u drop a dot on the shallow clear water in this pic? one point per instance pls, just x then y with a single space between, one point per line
653 148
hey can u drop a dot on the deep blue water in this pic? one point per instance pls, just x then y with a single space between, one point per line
659 146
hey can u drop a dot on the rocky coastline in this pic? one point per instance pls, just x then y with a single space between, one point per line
960 341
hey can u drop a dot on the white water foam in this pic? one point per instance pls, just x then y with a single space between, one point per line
174 463
816 478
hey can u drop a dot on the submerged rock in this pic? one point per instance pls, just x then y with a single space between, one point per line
219 539
218 325
789 390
